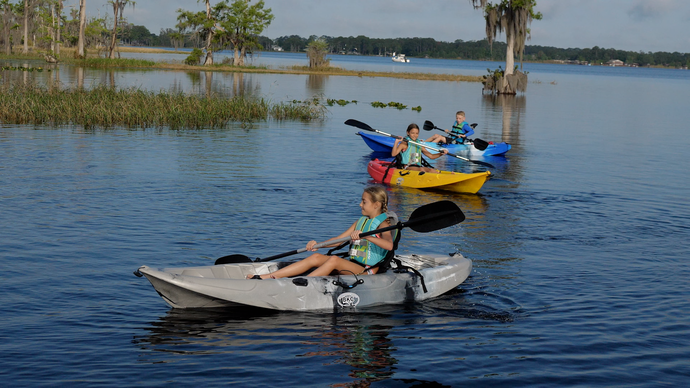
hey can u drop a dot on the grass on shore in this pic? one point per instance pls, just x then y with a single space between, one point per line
133 108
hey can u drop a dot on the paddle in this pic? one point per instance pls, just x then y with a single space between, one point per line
478 143
427 218
428 126
366 127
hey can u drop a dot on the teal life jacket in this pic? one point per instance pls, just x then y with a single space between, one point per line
364 252
412 155
459 129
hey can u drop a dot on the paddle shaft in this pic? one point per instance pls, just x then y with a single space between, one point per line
400 225
326 243
427 218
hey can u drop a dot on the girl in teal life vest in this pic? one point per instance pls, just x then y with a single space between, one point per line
461 130
364 253
411 153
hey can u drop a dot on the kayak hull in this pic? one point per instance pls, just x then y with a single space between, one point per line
380 143
443 180
226 285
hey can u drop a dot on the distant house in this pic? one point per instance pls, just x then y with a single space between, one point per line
277 48
615 62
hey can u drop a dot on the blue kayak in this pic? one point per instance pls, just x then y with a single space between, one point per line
381 143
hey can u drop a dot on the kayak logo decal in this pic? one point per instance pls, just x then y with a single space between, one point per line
400 181
348 299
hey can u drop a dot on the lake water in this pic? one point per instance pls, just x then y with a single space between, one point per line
579 242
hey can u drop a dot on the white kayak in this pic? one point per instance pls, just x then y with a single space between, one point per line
226 285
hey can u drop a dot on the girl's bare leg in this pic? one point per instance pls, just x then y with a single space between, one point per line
335 262
302 266
436 138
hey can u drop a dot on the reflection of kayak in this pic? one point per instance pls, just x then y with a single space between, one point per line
226 286
442 180
385 144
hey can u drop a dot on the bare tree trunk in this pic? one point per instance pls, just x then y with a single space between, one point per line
26 27
209 38
6 24
510 56
52 28
243 53
82 28
209 53
58 37
235 56
113 40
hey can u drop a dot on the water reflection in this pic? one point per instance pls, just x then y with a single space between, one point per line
360 341
405 200
513 108
317 83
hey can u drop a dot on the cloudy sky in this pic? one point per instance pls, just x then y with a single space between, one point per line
633 25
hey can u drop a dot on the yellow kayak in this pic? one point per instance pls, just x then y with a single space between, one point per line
440 180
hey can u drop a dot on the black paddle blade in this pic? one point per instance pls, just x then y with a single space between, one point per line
358 124
435 216
428 125
480 144
233 259
473 125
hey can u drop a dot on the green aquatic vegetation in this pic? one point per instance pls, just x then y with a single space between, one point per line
393 104
341 102
116 62
22 68
397 105
299 110
134 108
378 104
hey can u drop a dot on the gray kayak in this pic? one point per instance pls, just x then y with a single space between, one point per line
226 285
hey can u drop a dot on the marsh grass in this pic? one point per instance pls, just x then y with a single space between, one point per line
134 108
102 63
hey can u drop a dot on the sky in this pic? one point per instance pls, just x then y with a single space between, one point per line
630 25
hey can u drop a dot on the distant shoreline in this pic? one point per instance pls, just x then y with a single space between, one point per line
68 53
140 49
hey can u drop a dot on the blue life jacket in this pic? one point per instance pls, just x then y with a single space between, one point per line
412 155
364 252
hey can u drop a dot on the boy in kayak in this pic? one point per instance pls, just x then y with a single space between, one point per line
410 153
461 130
365 252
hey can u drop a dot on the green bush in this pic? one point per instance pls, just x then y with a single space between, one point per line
194 58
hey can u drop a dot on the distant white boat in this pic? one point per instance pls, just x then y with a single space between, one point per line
400 58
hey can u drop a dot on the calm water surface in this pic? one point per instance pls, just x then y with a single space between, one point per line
580 241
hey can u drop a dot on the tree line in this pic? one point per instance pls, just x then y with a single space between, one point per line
43 25
431 48
239 24
478 50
